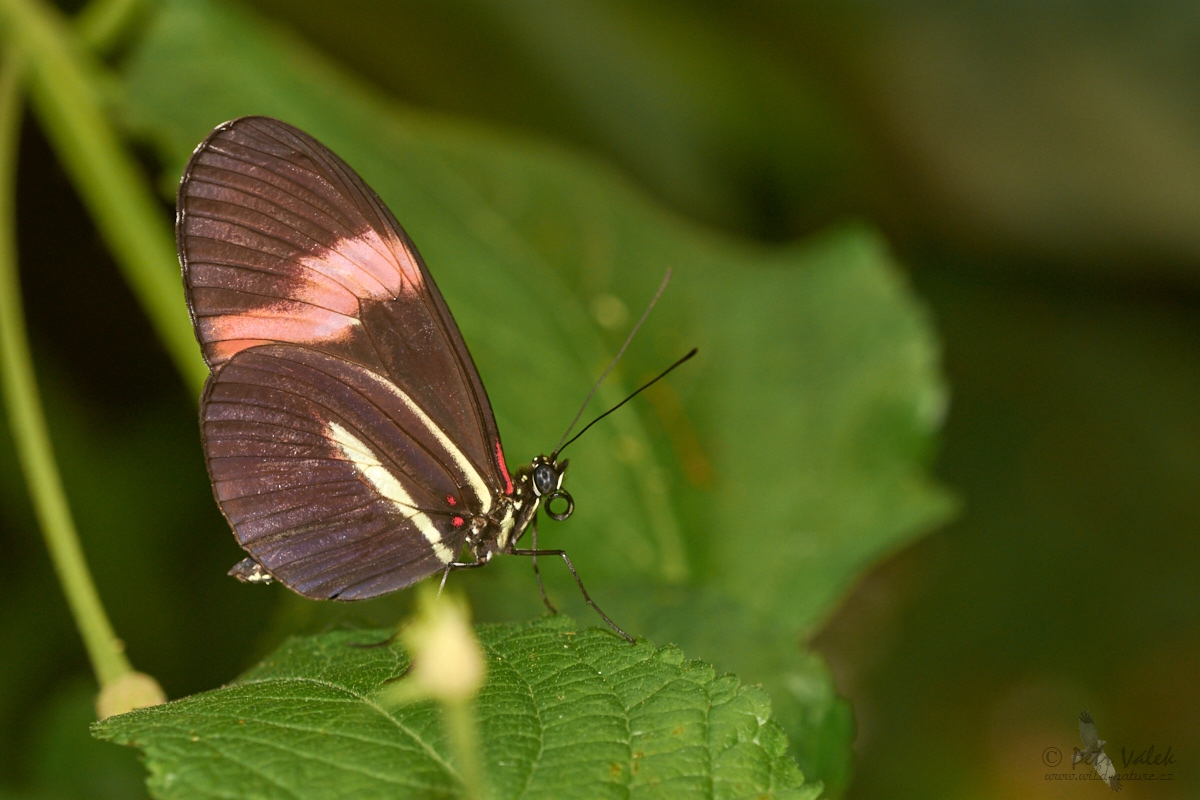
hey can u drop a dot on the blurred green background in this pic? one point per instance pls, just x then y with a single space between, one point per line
1034 168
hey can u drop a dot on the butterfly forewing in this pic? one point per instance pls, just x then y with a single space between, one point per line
347 432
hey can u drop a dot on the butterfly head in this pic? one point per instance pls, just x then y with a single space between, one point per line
547 474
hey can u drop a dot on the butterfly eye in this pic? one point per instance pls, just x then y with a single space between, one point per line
545 479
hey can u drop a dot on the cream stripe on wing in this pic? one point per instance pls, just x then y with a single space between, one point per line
474 478
384 482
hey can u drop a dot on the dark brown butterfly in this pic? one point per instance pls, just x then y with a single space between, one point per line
349 439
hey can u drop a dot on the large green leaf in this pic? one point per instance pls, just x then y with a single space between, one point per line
566 713
760 479
776 467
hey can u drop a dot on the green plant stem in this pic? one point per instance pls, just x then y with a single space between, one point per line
29 429
63 89
102 22
463 733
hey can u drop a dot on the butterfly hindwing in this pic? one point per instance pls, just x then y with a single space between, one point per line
331 477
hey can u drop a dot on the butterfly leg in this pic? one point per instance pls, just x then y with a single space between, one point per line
457 565
537 573
579 583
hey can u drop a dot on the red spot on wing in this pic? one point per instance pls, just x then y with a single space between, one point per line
450 499
508 487
458 522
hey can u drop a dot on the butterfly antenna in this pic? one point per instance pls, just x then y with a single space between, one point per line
662 286
645 385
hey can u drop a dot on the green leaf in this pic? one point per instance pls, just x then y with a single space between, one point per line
776 466
565 713
762 478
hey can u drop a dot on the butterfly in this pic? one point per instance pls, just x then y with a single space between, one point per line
349 439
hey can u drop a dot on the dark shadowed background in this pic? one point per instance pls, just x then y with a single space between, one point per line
1034 168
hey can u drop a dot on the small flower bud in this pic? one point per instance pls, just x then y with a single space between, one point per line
447 660
131 690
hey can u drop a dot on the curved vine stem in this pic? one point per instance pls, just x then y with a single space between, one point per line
31 436
101 23
64 87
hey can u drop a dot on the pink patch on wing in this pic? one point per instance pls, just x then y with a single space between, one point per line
310 300
450 499
321 292
295 323
458 522
223 351
503 469
367 265
406 263
268 287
